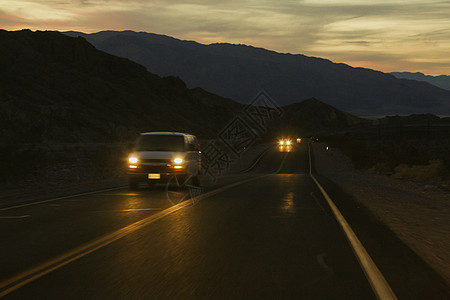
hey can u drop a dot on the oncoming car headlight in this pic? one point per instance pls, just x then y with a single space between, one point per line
178 160
283 142
133 160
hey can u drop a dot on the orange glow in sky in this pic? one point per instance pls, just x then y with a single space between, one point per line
386 35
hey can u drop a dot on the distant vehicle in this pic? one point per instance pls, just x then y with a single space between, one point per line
285 142
285 145
158 156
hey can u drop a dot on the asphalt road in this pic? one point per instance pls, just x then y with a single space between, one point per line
266 232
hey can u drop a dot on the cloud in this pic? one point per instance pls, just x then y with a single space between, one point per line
10 18
407 34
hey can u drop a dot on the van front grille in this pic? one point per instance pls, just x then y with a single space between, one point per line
156 160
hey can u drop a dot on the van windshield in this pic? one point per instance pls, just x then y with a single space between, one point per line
174 143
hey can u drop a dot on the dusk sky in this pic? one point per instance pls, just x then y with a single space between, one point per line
386 35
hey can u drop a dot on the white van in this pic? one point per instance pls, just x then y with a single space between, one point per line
159 156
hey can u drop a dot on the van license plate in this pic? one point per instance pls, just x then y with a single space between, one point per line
154 176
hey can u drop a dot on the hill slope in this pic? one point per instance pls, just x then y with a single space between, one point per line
57 88
240 72
312 116
442 81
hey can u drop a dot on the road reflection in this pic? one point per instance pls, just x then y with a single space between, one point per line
285 148
288 204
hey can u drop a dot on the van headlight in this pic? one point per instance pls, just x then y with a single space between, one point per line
178 160
133 160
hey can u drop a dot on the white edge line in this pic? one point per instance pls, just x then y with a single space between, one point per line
59 198
14 217
376 279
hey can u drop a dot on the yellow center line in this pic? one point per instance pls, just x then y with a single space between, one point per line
62 260
139 209
32 274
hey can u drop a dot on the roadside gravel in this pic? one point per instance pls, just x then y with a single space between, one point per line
418 213
80 177
42 188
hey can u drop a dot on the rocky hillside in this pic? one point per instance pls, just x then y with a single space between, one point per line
240 72
312 116
56 88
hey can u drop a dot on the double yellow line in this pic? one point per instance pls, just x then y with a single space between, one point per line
32 274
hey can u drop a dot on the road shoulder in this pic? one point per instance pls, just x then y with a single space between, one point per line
416 213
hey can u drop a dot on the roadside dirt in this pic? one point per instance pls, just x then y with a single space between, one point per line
61 181
78 176
418 213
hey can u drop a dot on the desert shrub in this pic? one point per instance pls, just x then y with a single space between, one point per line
419 158
380 168
434 169
357 149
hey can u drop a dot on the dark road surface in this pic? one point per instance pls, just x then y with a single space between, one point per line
264 233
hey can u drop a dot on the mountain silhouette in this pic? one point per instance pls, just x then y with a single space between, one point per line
312 116
442 81
57 88
239 72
